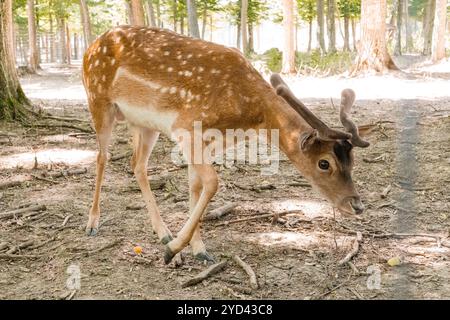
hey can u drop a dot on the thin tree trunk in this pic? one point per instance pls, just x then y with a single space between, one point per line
158 13
75 46
32 38
251 44
12 98
398 38
238 36
310 35
204 22
373 54
62 40
68 46
52 40
438 42
211 28
331 8
175 14
428 25
353 21
409 39
288 63
151 19
86 22
321 26
137 13
244 12
192 17
346 34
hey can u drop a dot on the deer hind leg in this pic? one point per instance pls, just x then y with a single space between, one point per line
103 117
209 181
198 247
144 140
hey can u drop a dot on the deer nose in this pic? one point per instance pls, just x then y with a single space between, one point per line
357 205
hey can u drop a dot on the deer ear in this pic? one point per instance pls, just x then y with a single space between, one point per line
308 139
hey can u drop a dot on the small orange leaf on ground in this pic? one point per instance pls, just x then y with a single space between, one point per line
137 250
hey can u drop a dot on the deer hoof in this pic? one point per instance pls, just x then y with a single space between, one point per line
91 232
166 239
204 256
168 255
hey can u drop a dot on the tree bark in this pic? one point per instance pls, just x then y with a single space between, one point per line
288 63
158 14
428 23
251 47
192 18
372 52
175 14
331 25
68 45
321 26
86 22
33 63
346 34
244 36
12 98
438 41
408 34
310 34
353 22
62 40
151 19
398 36
137 13
204 21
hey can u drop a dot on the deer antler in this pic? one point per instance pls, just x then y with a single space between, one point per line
324 131
347 100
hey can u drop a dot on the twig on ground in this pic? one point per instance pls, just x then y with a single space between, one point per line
121 156
3 245
385 191
354 251
212 270
10 184
135 206
21 246
59 125
19 212
262 216
66 220
107 246
248 270
219 212
7 256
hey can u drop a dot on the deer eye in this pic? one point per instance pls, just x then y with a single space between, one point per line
324 164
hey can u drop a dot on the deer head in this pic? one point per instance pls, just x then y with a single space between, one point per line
327 154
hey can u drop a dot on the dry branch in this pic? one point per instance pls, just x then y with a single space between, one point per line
248 270
24 245
3 245
121 156
212 270
19 212
261 216
354 251
221 211
10 184
385 192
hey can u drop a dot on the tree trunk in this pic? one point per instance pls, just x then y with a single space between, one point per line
238 36
62 40
12 98
86 22
158 13
151 19
354 34
408 34
75 46
33 63
137 13
346 34
68 46
192 18
321 26
204 22
398 37
310 35
428 23
372 51
438 42
251 45
52 40
175 14
288 63
331 26
244 12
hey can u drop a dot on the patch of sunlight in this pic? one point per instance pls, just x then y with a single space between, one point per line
311 208
47 156
297 240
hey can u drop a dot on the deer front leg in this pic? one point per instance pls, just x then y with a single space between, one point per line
198 247
209 181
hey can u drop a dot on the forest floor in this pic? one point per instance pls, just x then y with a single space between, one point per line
403 178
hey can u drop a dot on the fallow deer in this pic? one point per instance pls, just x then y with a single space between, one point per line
160 81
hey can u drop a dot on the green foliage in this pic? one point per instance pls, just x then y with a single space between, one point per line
349 8
257 11
331 63
307 9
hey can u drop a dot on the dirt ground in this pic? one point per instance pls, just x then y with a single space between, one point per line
295 257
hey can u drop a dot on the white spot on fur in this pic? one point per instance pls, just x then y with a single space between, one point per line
97 62
164 90
169 69
188 73
113 61
189 56
166 53
105 49
201 69
182 93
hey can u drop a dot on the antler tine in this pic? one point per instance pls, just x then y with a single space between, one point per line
324 131
347 100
